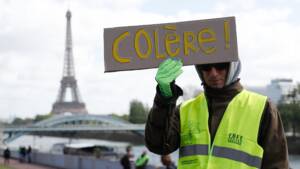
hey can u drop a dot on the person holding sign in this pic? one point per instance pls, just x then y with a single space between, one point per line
226 126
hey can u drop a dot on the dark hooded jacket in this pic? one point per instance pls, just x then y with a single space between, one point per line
162 133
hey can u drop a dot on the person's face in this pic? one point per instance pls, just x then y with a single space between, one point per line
166 160
215 74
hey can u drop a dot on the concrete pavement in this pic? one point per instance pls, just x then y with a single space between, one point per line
15 164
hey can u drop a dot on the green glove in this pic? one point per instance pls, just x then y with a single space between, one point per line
167 72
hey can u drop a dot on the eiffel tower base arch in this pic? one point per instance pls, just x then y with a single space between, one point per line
70 107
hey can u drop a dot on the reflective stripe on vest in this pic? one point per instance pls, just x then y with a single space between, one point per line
193 150
235 145
221 152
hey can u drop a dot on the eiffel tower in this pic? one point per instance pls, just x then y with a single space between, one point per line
75 106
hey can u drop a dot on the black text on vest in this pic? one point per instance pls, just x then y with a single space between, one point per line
235 138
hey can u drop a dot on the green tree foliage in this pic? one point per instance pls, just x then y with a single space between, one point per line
123 117
138 112
41 117
289 108
19 121
290 114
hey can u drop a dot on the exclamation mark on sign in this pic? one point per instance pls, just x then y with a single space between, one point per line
227 34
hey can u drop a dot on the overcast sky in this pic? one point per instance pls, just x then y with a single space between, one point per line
32 39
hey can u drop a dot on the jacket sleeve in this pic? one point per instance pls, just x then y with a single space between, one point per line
162 127
272 139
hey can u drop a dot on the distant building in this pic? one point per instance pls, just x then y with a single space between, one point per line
276 89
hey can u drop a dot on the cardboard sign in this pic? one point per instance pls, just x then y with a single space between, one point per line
194 42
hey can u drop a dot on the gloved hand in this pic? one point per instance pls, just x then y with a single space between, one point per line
167 72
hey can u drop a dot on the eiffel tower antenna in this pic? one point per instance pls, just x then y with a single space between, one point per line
75 106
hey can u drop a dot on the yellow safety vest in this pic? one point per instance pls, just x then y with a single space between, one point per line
235 144
141 160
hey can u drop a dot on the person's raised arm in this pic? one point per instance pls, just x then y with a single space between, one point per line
162 127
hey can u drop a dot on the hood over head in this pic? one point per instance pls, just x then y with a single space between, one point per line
233 72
